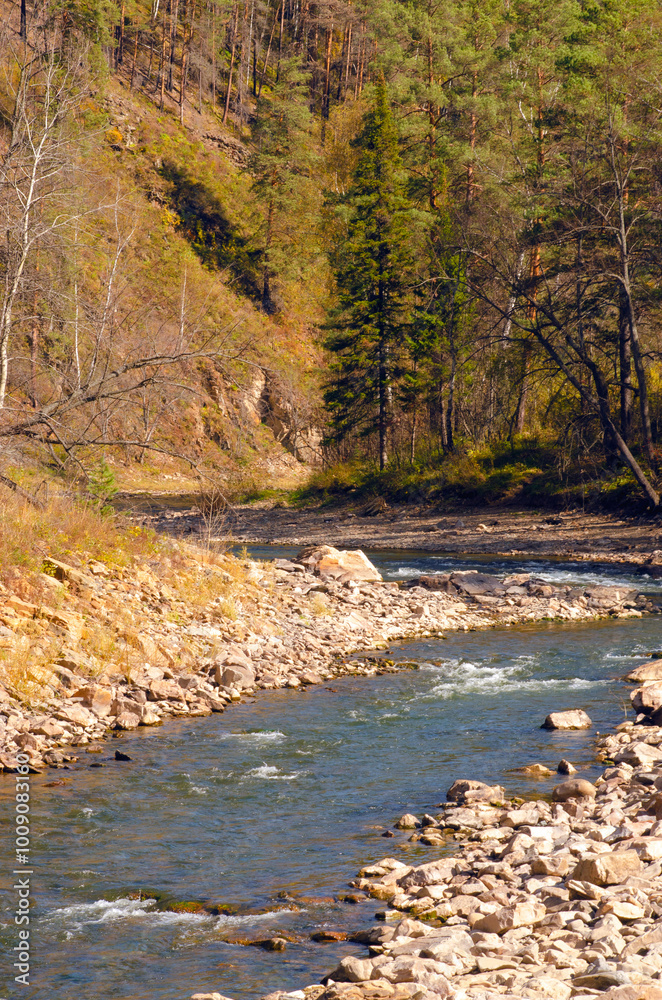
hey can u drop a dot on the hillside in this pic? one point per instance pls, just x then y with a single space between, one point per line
412 239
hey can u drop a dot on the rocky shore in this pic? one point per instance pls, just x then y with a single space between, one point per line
599 539
280 624
551 899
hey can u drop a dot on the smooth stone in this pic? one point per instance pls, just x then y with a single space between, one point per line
575 788
575 718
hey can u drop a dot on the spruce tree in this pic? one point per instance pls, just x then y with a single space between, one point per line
371 264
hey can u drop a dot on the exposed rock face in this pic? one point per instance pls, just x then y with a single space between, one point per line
574 719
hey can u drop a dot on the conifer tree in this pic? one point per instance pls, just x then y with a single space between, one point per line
371 264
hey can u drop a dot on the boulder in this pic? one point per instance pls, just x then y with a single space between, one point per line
575 788
127 720
49 728
165 691
648 698
233 675
466 790
234 668
478 584
651 671
509 917
353 970
340 565
408 822
98 699
639 755
431 873
76 714
574 718
608 869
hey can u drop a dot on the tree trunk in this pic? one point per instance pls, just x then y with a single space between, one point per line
119 49
232 58
266 58
135 57
625 368
162 66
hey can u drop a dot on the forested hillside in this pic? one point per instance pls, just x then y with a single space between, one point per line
440 220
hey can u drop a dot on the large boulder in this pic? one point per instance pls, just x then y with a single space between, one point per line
574 718
651 671
339 565
648 698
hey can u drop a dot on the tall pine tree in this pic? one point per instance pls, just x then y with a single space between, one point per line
371 265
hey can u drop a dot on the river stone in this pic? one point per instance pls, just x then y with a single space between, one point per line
575 718
536 770
647 698
75 713
575 788
565 767
127 720
233 675
209 996
353 970
478 584
608 869
407 822
638 754
600 976
49 728
150 718
508 917
431 873
466 790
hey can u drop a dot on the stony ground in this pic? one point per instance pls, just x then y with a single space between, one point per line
488 530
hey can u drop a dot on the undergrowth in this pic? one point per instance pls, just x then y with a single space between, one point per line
530 472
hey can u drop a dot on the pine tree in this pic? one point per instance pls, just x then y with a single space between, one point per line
371 264
281 166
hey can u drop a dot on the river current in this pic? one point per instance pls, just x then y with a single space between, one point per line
273 806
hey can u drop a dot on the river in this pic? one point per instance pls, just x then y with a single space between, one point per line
273 806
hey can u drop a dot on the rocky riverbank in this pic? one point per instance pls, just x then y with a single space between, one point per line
121 648
551 899
602 539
